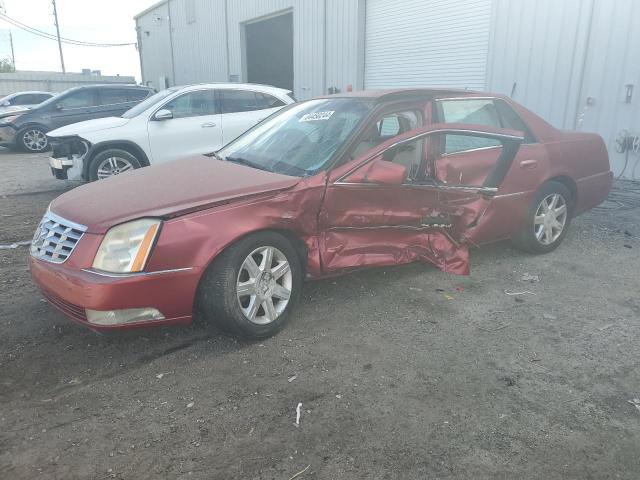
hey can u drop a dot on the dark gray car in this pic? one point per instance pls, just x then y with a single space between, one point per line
27 129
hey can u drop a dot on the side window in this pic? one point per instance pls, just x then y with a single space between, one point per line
80 99
510 119
134 95
193 104
22 100
233 101
39 98
390 125
112 96
472 111
264 101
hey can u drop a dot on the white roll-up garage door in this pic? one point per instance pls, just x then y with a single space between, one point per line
426 43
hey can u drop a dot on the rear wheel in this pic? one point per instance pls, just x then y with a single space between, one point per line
33 139
113 161
547 219
251 288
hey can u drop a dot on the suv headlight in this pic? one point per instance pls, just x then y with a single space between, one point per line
125 248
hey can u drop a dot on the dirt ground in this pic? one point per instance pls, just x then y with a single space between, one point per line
402 373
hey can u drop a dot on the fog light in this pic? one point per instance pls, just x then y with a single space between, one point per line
116 317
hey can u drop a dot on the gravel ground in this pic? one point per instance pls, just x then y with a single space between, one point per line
402 372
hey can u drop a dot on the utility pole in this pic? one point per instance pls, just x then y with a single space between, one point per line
55 14
13 54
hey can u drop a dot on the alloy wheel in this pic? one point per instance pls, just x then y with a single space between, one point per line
550 218
113 166
264 285
35 140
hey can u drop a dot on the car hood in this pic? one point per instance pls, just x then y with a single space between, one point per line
88 126
165 190
5 112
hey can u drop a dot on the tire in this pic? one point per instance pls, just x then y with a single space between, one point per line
250 316
111 162
543 236
32 139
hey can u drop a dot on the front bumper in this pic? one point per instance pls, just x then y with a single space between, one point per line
72 290
67 168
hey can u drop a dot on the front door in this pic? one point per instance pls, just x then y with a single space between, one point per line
77 106
386 207
194 128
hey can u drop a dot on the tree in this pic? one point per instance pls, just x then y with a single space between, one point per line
6 66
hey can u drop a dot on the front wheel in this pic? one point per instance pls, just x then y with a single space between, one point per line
33 139
112 162
251 288
547 219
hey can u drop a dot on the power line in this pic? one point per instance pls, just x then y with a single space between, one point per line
49 36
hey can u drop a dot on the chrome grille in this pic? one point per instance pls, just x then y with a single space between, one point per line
55 238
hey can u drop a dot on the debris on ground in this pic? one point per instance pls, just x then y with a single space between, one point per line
525 292
298 411
300 472
626 245
190 404
8 246
449 297
526 277
460 289
635 402
415 289
509 381
604 327
548 316
292 378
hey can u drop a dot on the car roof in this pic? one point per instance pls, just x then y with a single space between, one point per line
30 92
248 86
109 85
406 94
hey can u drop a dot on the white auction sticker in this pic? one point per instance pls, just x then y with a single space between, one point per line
314 117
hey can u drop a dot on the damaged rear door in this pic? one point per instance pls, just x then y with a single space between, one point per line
387 206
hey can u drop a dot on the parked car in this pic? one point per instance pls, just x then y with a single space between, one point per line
22 101
320 188
27 129
174 123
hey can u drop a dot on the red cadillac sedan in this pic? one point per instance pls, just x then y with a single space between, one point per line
320 188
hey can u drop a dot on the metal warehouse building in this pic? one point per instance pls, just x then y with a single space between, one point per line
574 62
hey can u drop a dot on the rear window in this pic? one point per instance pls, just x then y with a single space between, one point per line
135 95
113 96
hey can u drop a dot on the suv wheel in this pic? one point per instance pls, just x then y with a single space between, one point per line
33 139
113 161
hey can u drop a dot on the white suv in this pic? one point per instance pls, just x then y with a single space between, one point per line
174 123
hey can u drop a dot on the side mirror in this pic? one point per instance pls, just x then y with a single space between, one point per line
381 172
163 114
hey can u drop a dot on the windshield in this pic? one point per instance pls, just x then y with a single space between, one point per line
148 102
301 139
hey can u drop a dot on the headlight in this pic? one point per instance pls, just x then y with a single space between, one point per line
125 248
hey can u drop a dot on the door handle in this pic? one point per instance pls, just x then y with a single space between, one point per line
208 125
529 164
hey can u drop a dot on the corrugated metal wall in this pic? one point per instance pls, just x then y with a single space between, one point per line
569 62
537 55
199 41
427 43
200 46
155 46
613 61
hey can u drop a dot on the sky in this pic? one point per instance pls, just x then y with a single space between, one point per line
103 21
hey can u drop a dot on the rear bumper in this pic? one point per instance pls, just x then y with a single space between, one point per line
172 292
593 190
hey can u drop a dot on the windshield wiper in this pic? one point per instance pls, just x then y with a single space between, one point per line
248 163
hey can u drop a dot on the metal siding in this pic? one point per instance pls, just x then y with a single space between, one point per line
199 46
536 53
155 48
427 43
611 63
308 41
342 55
